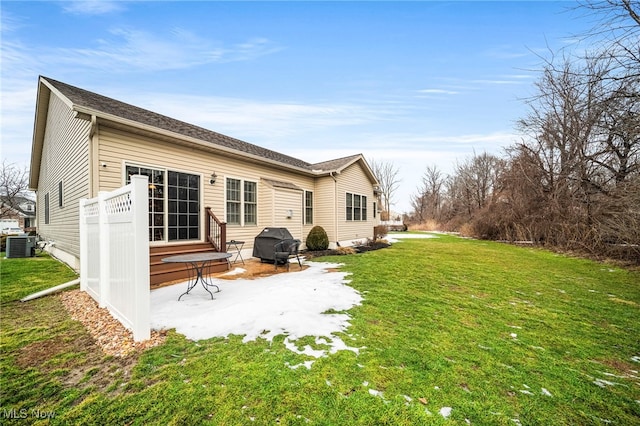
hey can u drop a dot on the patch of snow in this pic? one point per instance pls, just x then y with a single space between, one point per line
376 393
526 392
445 412
546 392
292 304
395 238
604 383
308 350
514 335
235 271
338 345
516 421
635 358
306 364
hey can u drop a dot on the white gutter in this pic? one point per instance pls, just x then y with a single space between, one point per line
51 290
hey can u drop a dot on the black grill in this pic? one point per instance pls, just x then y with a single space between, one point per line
264 243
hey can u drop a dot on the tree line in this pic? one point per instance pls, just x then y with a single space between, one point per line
573 180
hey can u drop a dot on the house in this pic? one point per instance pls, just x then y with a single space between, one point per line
84 143
17 212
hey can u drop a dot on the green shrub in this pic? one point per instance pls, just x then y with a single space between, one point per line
317 239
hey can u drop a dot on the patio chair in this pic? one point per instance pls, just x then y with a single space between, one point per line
284 250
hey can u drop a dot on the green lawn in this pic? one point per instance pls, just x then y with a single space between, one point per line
501 335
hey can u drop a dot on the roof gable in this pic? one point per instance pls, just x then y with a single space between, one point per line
339 164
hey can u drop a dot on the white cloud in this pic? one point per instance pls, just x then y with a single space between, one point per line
136 50
261 121
91 7
438 92
505 51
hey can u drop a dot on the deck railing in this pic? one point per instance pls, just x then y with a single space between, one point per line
216 231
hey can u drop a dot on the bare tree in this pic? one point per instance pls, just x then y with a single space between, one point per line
387 175
427 202
14 186
477 180
617 32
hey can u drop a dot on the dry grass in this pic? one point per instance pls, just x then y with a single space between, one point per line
429 225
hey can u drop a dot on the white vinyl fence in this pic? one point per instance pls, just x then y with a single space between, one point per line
114 254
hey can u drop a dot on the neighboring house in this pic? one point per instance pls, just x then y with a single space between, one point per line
84 143
18 212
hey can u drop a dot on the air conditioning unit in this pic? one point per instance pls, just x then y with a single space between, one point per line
21 246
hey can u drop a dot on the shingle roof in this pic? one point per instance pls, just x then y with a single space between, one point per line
335 164
99 103
281 184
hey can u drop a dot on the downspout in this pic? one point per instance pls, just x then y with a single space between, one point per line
93 158
335 206
51 290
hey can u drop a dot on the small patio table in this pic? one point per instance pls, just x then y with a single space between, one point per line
198 263
237 249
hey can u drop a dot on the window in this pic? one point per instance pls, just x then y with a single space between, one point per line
250 203
375 208
174 200
60 203
308 207
46 208
356 207
242 202
183 201
234 201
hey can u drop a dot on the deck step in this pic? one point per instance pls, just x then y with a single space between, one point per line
162 273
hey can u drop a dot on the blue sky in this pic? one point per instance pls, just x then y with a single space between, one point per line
412 83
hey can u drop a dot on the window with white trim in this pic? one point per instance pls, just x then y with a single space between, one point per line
241 202
356 207
250 203
308 207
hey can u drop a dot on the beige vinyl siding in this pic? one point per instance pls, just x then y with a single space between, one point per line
65 158
117 148
285 200
353 180
266 203
325 207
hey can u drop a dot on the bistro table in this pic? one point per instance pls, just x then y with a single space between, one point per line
199 267
237 249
